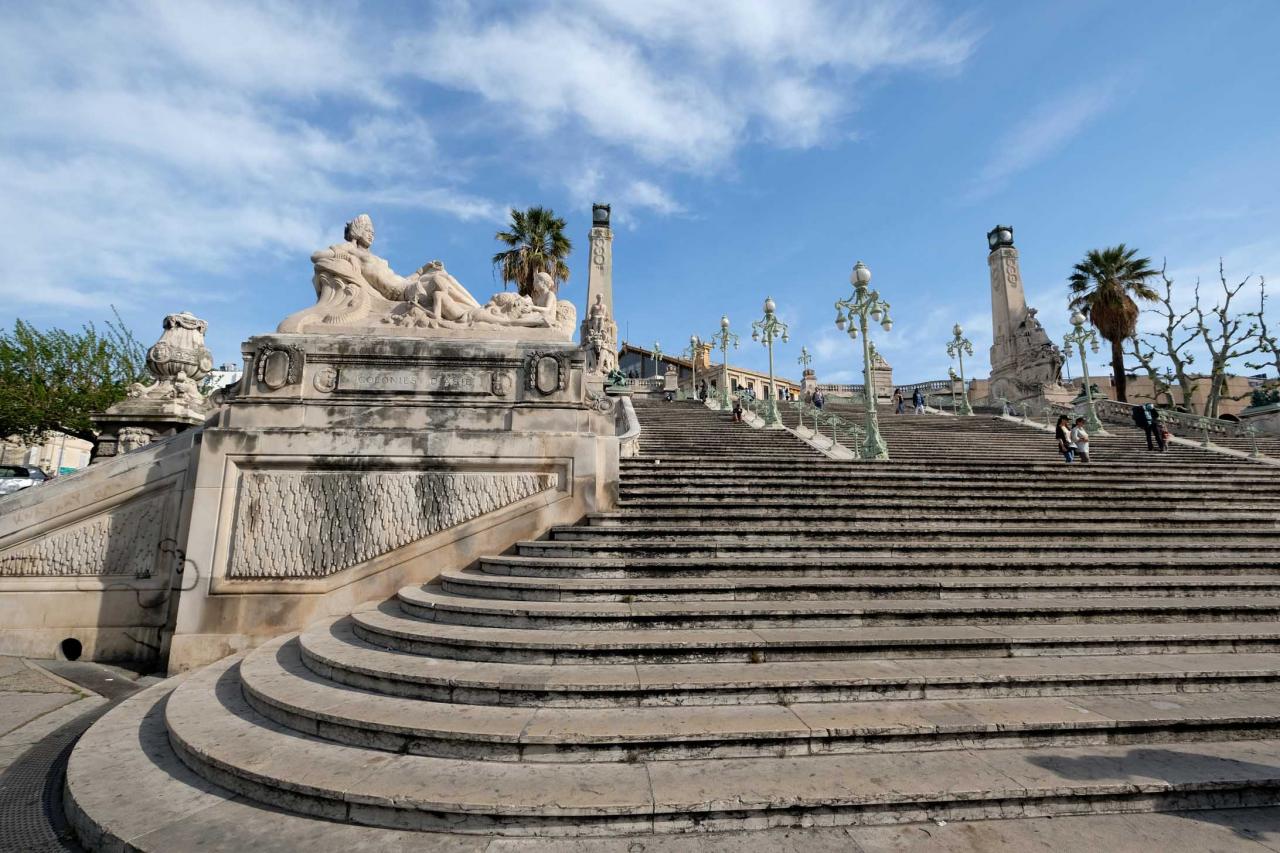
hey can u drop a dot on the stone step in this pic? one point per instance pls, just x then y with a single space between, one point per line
280 687
388 626
858 475
334 652
762 518
923 563
635 529
433 604
1242 547
481 585
876 488
909 502
213 730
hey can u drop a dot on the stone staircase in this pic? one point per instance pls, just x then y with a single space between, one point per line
762 637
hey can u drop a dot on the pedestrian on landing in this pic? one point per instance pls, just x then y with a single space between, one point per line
899 404
1147 417
1080 438
818 399
737 408
702 390
917 400
1063 433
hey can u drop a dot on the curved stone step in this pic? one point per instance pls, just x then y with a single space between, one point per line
334 652
215 732
813 566
434 604
386 626
693 520
463 582
280 687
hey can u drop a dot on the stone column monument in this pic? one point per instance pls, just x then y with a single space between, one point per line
1025 364
599 335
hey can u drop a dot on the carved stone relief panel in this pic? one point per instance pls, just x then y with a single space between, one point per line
277 367
547 373
121 542
312 524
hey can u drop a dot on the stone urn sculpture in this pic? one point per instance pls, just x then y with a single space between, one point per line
172 403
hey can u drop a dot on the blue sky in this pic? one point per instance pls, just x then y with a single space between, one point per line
189 156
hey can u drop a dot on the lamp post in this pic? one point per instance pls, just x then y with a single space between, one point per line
865 303
657 359
764 331
695 346
951 375
1079 338
804 360
723 338
958 347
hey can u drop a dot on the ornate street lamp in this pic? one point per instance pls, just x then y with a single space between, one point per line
722 339
764 331
657 359
958 347
865 303
1080 337
695 347
805 359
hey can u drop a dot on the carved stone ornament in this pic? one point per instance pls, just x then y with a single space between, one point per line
358 292
500 384
326 379
178 361
312 524
277 366
601 402
547 372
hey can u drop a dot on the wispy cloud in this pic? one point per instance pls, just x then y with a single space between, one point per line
1049 128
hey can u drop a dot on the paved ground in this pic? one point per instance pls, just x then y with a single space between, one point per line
41 714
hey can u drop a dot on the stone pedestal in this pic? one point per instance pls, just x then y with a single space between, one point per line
348 467
882 376
808 384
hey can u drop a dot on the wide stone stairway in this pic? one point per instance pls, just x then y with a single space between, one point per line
760 636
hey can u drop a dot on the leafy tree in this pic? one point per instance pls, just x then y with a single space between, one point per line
53 380
1103 288
535 242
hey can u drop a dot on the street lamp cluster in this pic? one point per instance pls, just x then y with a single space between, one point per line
862 305
1079 338
764 331
958 347
722 339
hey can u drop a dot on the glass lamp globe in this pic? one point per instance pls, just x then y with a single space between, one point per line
876 314
724 321
840 321
956 330
887 325
1068 351
1093 344
853 333
755 336
693 341
785 338
1006 236
1077 319
861 274
769 307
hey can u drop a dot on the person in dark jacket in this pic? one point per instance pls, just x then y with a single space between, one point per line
1147 418
1063 434
917 400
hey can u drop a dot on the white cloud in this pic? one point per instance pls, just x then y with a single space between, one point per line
678 83
1050 127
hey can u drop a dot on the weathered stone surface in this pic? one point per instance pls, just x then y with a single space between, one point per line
301 524
120 542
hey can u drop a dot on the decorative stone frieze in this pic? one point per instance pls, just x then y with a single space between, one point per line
312 524
122 542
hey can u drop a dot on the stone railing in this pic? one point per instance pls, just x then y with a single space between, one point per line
652 385
840 430
1113 411
629 426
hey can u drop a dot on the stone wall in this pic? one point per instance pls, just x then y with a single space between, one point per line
93 556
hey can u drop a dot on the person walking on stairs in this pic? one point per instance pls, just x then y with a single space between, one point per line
737 409
818 399
899 404
917 400
1147 417
1080 438
1063 434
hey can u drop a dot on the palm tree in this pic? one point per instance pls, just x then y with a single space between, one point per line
1103 288
536 243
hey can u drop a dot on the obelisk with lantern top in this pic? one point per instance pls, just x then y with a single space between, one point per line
599 329
1025 364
